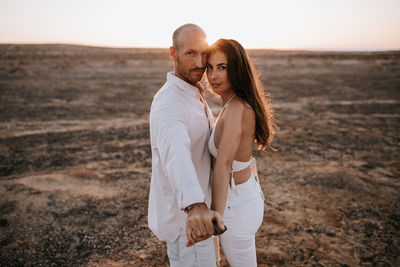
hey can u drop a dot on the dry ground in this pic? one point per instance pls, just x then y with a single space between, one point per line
75 158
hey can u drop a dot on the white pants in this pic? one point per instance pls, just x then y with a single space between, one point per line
243 216
199 255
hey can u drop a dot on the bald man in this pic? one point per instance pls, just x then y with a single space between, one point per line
180 124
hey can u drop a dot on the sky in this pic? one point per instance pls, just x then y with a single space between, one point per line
273 24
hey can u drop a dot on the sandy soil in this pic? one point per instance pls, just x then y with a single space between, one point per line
75 157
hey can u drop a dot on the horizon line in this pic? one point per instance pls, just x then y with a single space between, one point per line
300 49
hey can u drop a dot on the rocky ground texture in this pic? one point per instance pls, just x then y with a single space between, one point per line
75 158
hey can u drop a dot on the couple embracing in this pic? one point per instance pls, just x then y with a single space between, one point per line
204 179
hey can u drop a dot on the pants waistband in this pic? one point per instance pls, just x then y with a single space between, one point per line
247 186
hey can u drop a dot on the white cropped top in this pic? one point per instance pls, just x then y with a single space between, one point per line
236 165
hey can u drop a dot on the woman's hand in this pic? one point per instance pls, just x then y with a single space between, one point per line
199 224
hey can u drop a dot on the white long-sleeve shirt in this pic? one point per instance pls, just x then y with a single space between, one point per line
179 132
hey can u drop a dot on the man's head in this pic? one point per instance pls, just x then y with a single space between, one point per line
189 52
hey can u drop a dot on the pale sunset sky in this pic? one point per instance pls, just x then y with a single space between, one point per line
278 24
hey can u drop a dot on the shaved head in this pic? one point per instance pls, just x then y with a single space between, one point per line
185 30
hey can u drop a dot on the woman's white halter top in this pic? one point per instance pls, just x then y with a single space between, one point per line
236 165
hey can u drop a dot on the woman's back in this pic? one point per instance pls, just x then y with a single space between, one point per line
237 114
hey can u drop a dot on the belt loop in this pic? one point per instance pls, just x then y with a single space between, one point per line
233 186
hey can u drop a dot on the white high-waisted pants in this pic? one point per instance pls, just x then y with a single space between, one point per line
243 216
199 255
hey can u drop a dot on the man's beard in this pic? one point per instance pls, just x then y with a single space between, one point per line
186 74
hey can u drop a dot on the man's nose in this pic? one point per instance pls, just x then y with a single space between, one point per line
200 61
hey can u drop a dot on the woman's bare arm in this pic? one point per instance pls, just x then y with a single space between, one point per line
228 145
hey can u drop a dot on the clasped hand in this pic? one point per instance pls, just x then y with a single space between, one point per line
199 224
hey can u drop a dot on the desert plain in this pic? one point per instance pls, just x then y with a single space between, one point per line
75 158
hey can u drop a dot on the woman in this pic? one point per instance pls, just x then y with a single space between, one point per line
246 118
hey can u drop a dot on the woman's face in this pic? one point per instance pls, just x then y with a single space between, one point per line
217 73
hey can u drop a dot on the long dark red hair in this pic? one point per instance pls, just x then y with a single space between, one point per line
247 86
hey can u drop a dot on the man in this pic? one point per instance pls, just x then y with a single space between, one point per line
180 124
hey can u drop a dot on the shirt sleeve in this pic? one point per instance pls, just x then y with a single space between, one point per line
174 145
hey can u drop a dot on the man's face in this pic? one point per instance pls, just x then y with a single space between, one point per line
191 57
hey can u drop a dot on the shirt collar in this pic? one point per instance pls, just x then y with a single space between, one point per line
184 86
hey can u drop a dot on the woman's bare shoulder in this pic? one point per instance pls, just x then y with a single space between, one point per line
239 109
236 106
245 106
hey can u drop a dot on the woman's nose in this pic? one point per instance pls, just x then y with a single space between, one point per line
213 74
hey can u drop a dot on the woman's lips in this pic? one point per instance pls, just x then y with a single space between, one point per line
215 85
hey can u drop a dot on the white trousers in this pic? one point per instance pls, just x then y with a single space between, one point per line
243 216
199 255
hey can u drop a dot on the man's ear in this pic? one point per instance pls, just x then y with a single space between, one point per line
172 52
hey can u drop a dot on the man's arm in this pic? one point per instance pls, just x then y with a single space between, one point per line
173 143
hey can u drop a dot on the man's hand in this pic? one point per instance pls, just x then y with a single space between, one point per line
199 223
